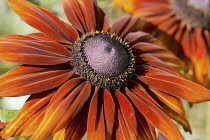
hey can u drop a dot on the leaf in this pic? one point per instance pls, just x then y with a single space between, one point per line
7 115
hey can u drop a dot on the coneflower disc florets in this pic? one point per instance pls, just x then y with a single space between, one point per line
103 59
196 13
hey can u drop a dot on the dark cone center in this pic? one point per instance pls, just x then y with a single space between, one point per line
103 59
106 56
200 4
196 13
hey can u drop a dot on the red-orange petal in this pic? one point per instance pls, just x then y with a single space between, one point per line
126 117
60 135
76 129
16 37
96 123
200 57
96 15
149 10
40 36
182 88
168 24
155 62
178 35
32 36
44 21
78 103
169 58
28 118
30 51
139 90
173 107
123 25
121 130
3 124
144 47
75 15
57 107
25 80
155 116
146 130
109 112
85 16
139 36
206 33
152 50
102 118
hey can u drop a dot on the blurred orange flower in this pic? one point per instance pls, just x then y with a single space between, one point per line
110 82
182 25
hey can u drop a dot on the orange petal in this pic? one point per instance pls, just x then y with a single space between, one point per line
155 62
138 89
60 135
44 21
96 119
77 104
195 48
96 15
155 116
156 19
174 28
29 127
126 117
121 132
180 31
185 42
25 80
104 118
158 52
144 47
32 36
182 88
146 131
40 36
75 15
85 15
131 5
57 107
109 112
76 129
206 33
29 51
169 58
126 5
173 108
200 57
17 37
28 118
139 36
124 25
168 24
151 9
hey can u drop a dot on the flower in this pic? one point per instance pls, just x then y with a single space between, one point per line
110 82
182 26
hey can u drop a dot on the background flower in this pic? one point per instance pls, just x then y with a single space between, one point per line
182 26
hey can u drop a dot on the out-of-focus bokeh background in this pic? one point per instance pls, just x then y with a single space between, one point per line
198 115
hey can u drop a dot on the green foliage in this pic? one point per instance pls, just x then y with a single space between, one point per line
7 115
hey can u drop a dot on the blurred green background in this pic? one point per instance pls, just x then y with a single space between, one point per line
198 115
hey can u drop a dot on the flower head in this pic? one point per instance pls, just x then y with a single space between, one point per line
183 26
110 82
